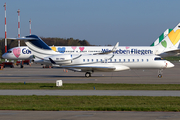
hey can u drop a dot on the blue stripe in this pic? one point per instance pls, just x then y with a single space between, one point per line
38 42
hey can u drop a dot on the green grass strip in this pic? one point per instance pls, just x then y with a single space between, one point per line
88 86
173 58
95 103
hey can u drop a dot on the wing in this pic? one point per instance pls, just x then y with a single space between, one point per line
99 68
174 51
170 53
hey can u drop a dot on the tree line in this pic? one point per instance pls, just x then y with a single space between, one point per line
49 41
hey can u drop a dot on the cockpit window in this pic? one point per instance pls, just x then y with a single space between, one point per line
9 51
158 58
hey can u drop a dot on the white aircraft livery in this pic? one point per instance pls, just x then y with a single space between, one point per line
90 63
166 45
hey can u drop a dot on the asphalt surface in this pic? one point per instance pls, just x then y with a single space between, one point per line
87 115
37 74
91 92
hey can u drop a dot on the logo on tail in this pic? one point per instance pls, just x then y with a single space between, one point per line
164 43
174 36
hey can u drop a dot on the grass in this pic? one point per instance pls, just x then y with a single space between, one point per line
90 103
174 58
88 86
95 103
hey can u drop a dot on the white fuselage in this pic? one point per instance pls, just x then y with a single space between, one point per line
23 52
114 62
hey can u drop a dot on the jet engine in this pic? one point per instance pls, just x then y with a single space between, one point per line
59 59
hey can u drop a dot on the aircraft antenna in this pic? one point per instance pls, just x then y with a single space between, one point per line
5 30
30 26
18 27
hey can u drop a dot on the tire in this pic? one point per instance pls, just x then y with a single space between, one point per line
159 76
88 74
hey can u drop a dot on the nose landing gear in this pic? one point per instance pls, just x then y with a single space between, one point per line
160 71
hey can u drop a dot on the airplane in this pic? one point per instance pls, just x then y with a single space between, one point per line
23 52
90 63
167 47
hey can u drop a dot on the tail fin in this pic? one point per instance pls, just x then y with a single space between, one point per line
39 48
170 42
161 37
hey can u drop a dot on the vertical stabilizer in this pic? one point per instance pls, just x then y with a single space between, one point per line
39 48
161 37
170 42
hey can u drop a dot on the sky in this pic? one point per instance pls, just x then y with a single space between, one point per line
100 22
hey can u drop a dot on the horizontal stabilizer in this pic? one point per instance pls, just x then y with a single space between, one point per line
22 38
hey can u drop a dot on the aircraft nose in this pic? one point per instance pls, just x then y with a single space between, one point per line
4 56
169 64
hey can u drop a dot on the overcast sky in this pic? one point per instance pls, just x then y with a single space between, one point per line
100 22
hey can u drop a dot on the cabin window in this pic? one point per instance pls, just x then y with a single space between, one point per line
96 60
147 60
119 60
9 51
114 60
101 60
142 60
57 58
128 60
137 60
88 60
83 60
110 60
92 60
133 60
124 60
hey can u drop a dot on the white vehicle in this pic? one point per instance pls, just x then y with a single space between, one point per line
162 47
90 63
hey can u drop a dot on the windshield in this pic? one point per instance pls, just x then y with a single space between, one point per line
158 58
9 51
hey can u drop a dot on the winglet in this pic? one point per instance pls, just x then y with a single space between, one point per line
113 50
115 47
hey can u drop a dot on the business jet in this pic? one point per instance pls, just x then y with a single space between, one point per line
90 63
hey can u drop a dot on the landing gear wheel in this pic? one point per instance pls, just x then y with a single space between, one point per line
22 66
159 76
88 74
160 71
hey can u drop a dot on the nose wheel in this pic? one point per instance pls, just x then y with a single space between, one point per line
160 71
160 76
87 74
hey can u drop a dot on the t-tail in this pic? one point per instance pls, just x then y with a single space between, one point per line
169 45
38 47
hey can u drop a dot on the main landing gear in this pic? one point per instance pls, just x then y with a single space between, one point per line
160 71
88 74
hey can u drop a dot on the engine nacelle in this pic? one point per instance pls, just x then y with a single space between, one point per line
59 59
